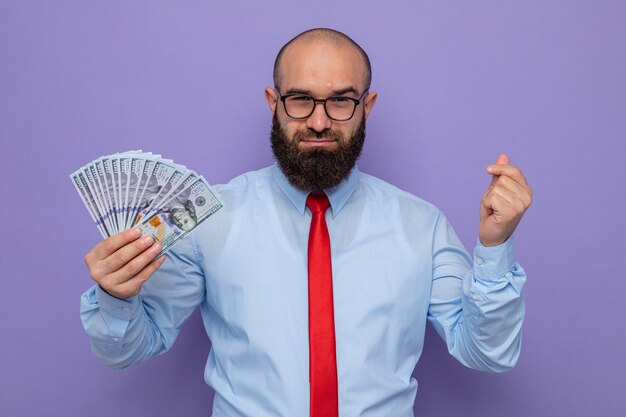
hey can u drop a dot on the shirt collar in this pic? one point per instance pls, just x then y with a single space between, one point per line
338 196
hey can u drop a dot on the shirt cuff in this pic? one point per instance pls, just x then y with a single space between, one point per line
493 262
122 309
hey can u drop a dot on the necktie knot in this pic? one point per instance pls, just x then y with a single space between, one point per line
317 202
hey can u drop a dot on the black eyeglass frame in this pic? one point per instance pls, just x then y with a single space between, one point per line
323 101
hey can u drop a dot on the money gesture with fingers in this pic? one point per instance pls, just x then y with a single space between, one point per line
504 202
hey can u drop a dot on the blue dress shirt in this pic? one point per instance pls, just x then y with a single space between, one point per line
396 263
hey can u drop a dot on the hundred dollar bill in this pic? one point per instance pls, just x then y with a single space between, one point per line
161 176
135 176
111 183
148 187
181 214
105 180
131 164
92 184
177 178
115 170
174 192
124 161
85 194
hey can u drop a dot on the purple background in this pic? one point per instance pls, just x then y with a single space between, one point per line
458 83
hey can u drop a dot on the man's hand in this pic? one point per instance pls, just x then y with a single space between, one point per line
121 263
504 203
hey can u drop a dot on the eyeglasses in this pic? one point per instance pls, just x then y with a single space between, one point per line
302 106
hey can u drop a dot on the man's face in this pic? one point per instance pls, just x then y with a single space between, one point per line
317 152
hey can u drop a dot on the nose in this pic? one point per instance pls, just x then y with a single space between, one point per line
318 120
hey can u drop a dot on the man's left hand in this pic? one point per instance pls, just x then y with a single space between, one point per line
504 203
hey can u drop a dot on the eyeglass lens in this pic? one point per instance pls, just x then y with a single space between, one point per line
338 108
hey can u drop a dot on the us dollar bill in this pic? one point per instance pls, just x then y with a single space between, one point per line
181 214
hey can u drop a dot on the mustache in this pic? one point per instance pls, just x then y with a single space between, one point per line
313 134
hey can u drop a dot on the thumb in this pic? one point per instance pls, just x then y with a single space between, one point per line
503 159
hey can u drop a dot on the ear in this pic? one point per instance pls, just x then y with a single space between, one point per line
370 101
271 96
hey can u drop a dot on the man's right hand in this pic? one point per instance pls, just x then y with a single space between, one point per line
121 263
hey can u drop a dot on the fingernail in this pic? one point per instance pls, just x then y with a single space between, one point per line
157 247
490 169
148 239
135 231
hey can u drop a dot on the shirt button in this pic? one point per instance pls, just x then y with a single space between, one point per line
125 309
475 297
479 261
116 339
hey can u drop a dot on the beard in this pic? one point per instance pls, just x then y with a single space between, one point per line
316 169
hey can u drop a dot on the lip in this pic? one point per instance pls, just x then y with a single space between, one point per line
317 142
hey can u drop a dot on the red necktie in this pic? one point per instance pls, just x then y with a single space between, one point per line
322 356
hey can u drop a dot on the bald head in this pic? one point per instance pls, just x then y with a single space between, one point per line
330 37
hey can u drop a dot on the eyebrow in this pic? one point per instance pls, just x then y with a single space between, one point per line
333 93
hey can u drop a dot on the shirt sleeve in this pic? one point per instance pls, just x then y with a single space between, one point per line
476 304
126 332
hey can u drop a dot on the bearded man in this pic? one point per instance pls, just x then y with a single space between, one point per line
315 281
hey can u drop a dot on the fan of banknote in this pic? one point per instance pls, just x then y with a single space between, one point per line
164 199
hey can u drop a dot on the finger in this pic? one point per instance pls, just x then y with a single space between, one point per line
108 246
508 170
133 266
503 159
504 195
133 285
499 207
101 270
505 204
126 253
516 188
522 192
